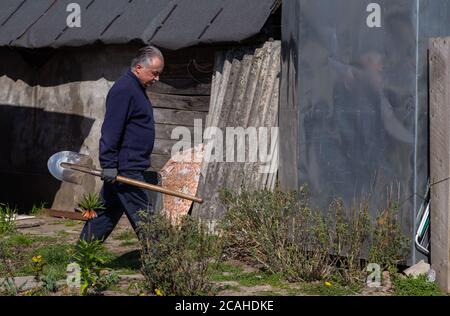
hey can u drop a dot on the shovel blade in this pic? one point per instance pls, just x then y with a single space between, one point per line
66 174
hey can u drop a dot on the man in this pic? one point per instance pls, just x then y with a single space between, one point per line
127 138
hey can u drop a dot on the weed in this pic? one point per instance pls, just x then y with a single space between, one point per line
37 210
389 246
55 256
7 219
37 265
136 287
90 256
50 282
110 280
281 233
258 278
7 285
175 258
226 272
20 240
220 267
415 286
125 235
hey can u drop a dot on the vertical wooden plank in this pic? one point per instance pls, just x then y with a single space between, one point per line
440 159
289 103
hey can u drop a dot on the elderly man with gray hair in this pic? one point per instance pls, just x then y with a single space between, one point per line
126 143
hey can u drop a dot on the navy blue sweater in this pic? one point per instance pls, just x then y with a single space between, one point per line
128 131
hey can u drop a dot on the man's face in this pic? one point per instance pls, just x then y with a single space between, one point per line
149 74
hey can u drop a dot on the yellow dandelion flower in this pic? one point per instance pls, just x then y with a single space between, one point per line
37 259
158 292
328 283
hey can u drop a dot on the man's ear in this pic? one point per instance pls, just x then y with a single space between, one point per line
138 67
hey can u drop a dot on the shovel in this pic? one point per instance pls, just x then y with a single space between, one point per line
70 166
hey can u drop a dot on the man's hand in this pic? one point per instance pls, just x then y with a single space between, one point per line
109 175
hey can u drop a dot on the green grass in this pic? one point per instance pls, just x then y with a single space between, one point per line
321 289
55 256
251 279
20 249
24 240
20 240
234 273
419 286
67 222
125 235
258 278
36 210
129 243
221 267
126 271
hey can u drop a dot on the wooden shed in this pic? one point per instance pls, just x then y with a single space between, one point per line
59 61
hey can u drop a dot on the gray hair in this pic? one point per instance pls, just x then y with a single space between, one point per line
146 55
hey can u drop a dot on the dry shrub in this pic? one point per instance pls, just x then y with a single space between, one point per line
175 258
281 233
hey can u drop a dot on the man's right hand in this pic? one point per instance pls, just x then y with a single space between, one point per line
109 175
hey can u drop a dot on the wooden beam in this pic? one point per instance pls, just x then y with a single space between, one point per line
165 131
439 62
164 146
177 117
181 102
181 86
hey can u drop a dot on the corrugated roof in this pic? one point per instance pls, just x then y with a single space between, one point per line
171 24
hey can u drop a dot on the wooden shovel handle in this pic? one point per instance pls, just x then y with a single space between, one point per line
136 183
158 188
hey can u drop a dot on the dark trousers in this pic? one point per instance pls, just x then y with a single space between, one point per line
118 198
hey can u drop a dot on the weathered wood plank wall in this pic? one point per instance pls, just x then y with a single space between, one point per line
180 97
440 159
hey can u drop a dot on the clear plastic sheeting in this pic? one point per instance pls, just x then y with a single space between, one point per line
355 75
